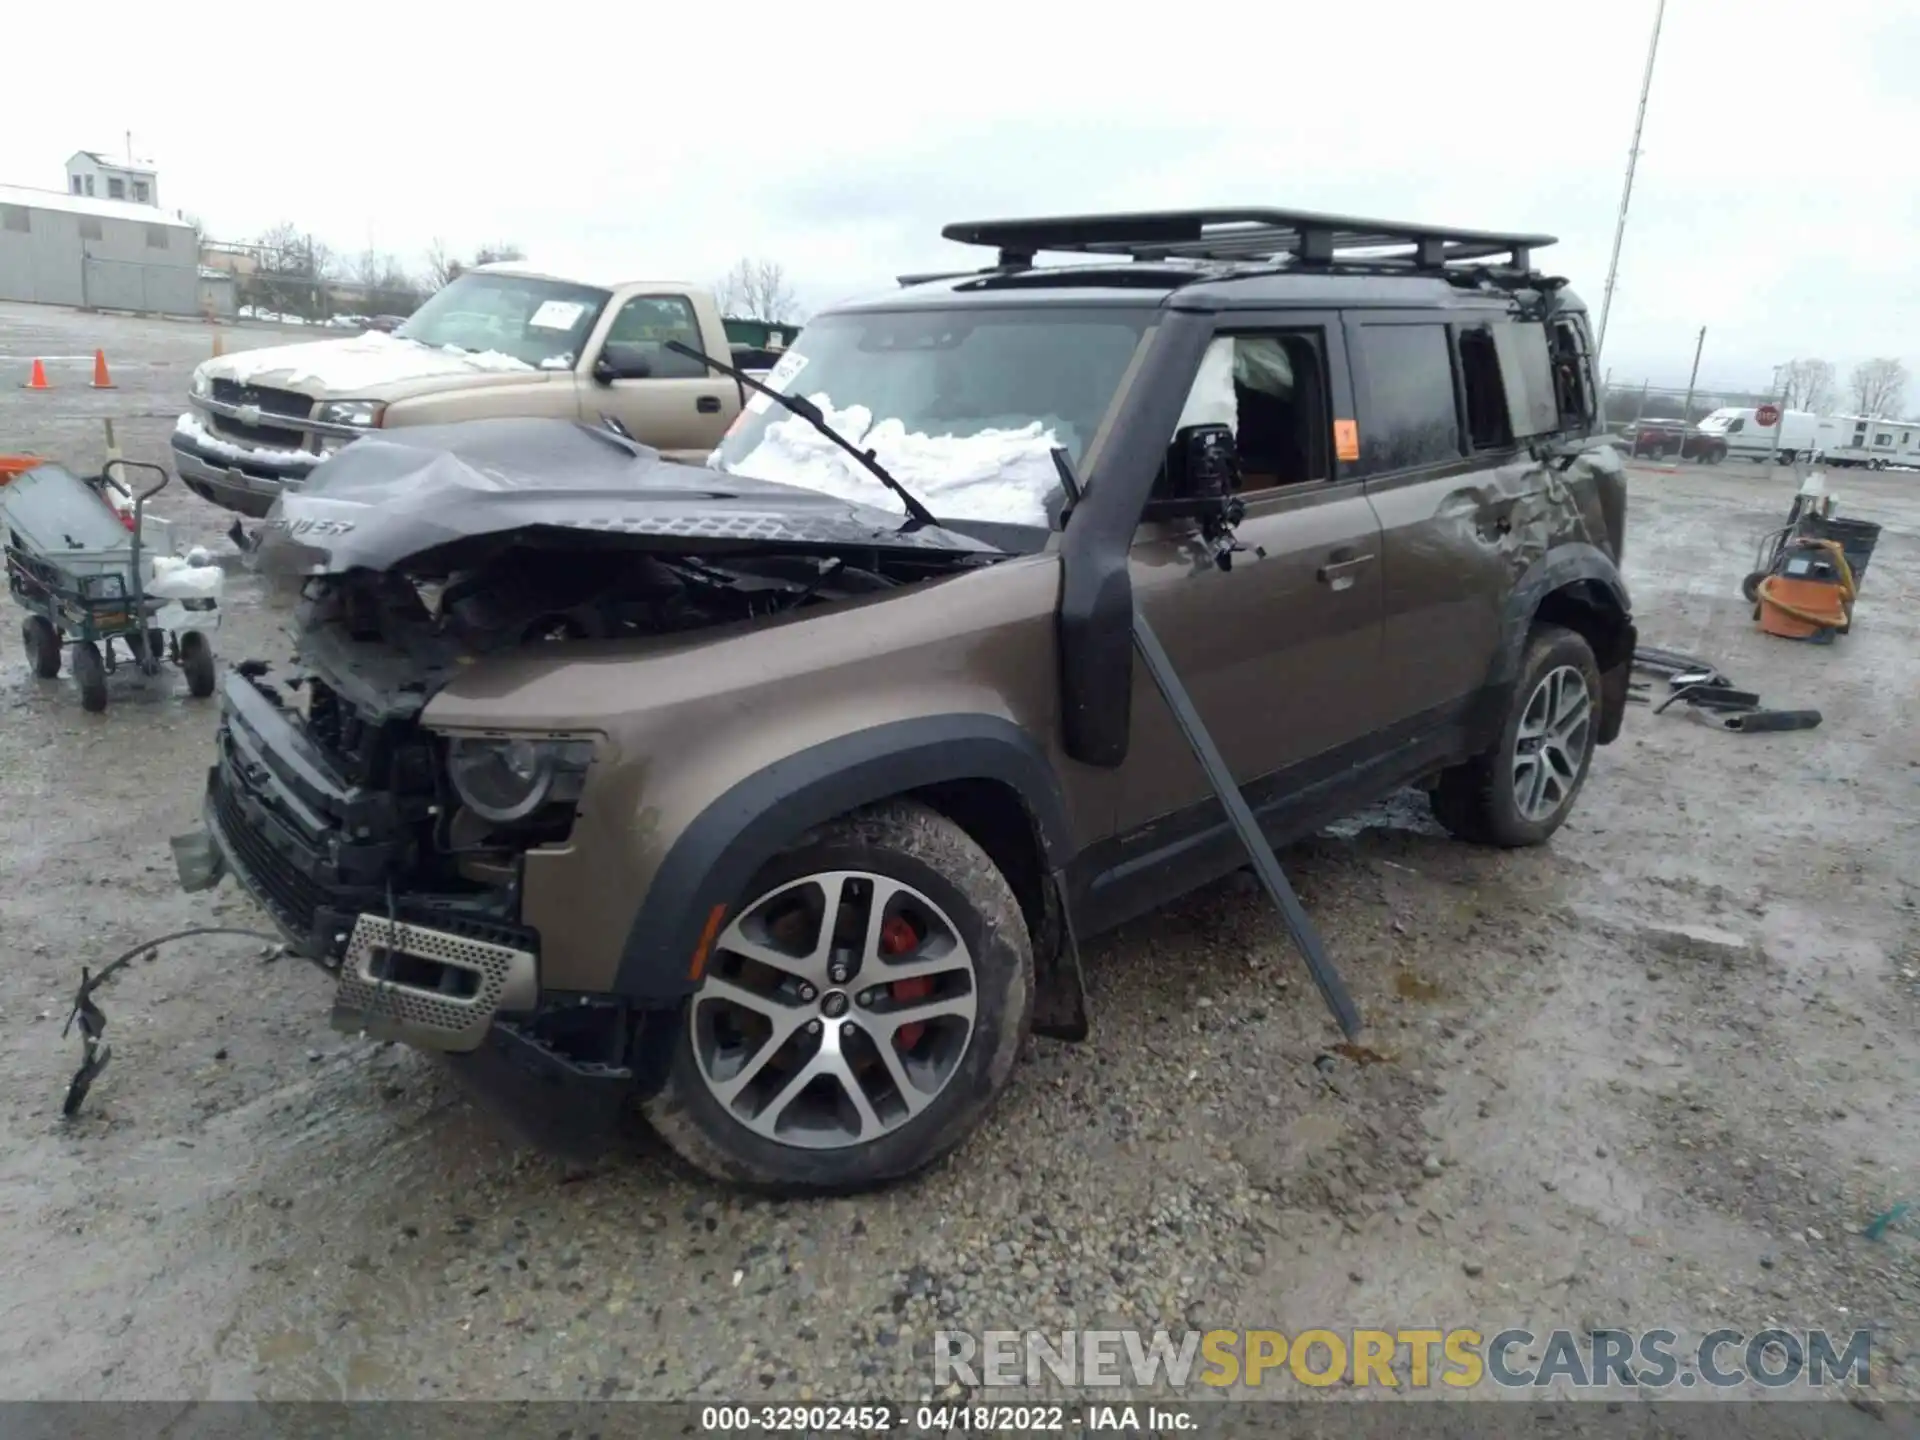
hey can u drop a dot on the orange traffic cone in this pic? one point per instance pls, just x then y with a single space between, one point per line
101 380
38 379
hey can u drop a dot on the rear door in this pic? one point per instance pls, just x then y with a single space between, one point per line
1281 653
681 407
1447 480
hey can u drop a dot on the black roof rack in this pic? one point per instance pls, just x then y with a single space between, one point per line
1258 234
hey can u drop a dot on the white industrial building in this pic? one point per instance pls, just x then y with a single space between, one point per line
58 248
101 177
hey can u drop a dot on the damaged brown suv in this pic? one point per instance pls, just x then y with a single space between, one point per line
774 795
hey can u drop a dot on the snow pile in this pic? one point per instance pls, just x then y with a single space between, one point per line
1003 475
175 578
487 359
208 443
342 367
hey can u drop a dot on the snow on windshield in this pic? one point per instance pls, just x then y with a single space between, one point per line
995 474
963 405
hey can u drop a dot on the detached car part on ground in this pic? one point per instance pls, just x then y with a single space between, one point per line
741 792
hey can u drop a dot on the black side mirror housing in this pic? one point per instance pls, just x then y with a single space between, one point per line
619 361
1202 474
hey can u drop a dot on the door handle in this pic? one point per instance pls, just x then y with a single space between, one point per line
708 404
1341 567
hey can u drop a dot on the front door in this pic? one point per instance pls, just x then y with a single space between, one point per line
682 407
1281 653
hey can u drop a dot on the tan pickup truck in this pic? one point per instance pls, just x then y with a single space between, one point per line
501 339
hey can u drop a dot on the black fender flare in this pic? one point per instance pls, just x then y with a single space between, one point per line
711 862
1594 571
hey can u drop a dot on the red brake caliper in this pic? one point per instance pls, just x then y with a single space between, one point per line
898 937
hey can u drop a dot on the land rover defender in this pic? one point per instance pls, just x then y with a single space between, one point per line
774 795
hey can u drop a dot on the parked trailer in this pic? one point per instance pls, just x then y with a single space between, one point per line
1870 443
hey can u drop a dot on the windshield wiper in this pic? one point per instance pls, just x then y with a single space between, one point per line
917 513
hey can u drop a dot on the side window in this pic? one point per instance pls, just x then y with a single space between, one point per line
1410 417
648 322
1736 425
16 217
1572 375
1270 389
1488 426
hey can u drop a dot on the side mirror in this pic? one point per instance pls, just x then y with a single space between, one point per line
1202 473
620 360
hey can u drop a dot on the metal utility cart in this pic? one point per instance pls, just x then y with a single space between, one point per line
79 571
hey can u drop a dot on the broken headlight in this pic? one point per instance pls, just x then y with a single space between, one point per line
508 780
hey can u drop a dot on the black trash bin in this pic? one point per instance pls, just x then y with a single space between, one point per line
1857 539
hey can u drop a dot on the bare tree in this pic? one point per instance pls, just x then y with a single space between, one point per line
1807 385
283 250
442 266
1878 387
757 290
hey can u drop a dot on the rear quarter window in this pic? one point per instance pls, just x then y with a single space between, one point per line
1410 417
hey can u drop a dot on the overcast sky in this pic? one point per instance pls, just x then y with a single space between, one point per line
1776 201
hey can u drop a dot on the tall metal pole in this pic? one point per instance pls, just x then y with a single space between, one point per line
1780 423
1626 193
1686 409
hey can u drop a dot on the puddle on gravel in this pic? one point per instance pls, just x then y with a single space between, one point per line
1409 986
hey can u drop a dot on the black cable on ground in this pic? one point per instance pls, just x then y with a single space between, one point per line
93 1021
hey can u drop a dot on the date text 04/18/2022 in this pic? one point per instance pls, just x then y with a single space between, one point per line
940 1419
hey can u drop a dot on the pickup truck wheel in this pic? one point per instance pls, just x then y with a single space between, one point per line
858 1015
1521 790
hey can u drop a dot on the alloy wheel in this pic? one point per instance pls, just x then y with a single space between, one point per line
1551 744
834 1009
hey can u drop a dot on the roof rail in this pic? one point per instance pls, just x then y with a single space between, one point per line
1246 234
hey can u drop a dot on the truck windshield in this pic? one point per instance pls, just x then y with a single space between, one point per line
963 407
539 323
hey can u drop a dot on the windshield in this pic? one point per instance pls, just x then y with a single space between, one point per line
962 407
540 323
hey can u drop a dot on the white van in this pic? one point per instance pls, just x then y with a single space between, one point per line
1746 437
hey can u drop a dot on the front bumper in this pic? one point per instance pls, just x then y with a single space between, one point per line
249 487
324 858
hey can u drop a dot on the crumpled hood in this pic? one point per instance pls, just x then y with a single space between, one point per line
398 494
373 366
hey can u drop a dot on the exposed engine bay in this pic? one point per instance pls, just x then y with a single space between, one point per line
386 641
420 554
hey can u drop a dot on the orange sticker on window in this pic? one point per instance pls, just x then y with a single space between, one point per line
1346 439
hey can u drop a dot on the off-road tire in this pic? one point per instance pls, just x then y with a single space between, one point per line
196 660
42 644
90 670
1475 801
912 843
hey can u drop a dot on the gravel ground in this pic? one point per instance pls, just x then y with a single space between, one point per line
1660 1072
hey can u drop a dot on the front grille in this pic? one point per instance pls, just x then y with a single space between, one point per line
267 435
294 897
270 401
